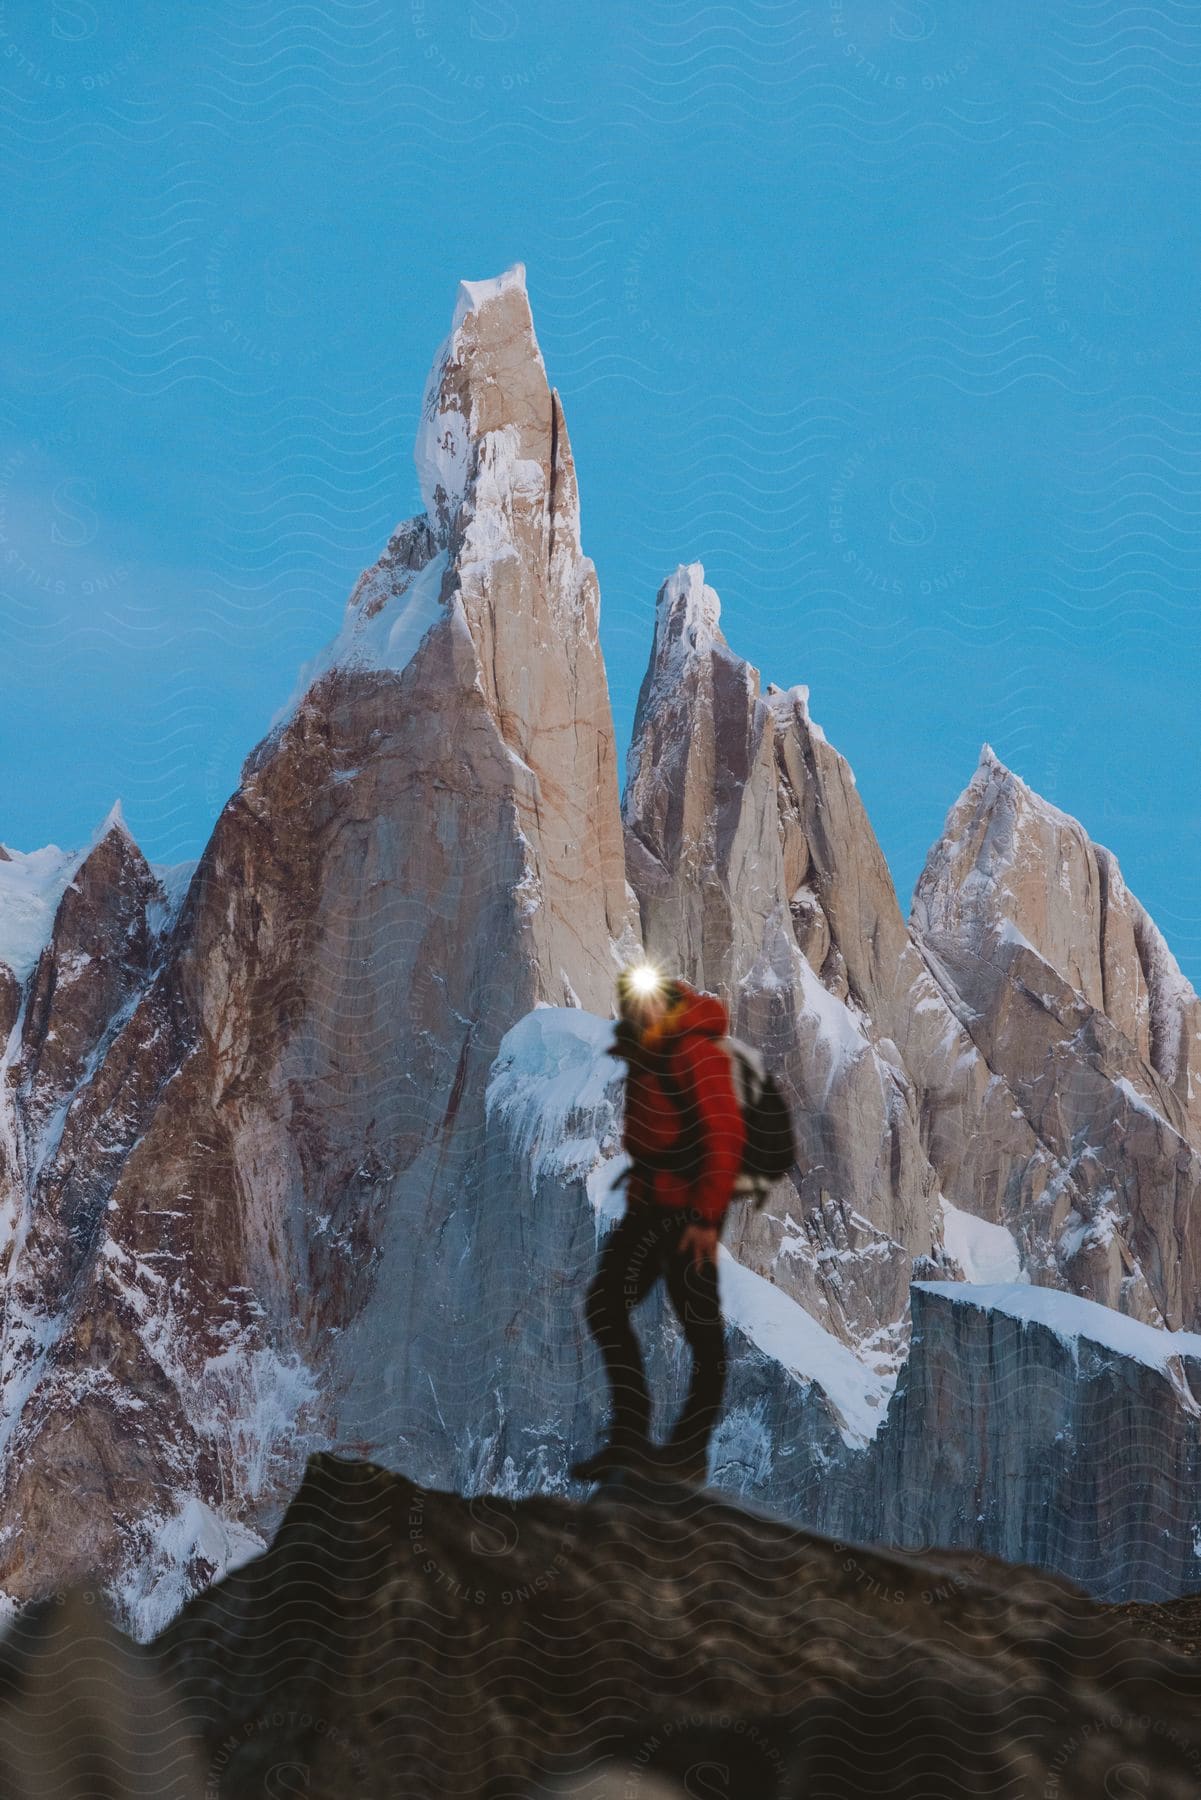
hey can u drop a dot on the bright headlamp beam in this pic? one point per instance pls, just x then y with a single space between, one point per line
644 980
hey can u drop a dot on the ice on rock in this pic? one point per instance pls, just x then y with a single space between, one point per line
445 436
986 1253
554 1082
783 701
473 296
442 455
1139 1101
154 1588
686 615
833 1024
174 879
383 635
31 885
792 1337
113 820
1073 1319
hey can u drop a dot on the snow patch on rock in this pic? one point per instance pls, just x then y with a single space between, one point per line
503 478
443 457
473 296
686 620
183 1549
174 879
986 1253
384 636
1073 1320
557 1089
837 1028
783 1330
250 1402
1141 1103
784 701
31 885
32 882
1094 1233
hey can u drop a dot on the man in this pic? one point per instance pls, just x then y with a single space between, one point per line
684 1134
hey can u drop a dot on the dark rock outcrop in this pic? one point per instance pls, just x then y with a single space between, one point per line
399 1642
87 1715
98 957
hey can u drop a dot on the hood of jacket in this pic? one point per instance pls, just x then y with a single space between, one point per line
692 1012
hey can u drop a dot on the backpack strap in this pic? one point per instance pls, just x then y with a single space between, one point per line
668 1081
677 1160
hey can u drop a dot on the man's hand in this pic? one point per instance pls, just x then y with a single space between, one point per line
701 1242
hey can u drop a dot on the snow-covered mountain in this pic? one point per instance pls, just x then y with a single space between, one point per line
316 1153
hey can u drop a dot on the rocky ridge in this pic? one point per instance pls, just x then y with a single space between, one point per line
435 1644
396 1641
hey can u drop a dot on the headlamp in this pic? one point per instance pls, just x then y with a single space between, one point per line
645 980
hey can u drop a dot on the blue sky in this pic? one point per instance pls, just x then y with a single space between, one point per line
883 311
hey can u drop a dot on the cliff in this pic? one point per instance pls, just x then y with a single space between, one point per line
1045 1429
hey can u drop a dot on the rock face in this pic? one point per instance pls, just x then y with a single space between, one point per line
731 897
311 1146
1064 982
498 477
1041 1428
1024 1052
96 961
397 1641
77 934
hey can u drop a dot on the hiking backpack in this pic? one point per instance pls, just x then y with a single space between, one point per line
770 1148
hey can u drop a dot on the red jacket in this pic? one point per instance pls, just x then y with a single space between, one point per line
704 1114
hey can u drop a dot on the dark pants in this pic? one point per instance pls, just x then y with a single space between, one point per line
643 1247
